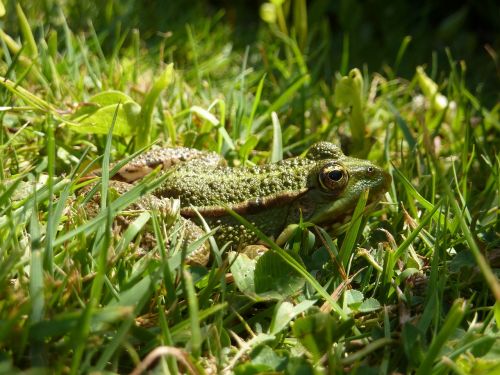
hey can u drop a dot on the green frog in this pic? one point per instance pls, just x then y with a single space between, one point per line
322 187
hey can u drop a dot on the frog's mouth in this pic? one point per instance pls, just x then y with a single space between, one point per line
341 215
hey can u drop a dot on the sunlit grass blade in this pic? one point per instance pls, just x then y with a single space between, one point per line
27 96
277 150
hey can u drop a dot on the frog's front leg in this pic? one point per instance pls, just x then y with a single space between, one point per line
163 158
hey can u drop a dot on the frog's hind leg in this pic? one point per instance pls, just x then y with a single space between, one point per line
185 230
163 158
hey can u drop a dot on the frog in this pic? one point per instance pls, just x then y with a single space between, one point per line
322 186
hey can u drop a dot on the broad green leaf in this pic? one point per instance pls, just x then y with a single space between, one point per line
269 276
300 365
251 369
2 9
286 312
275 278
243 269
315 333
411 338
368 305
264 355
100 121
353 296
110 97
353 299
293 263
319 331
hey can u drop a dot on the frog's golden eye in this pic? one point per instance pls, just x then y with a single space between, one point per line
333 177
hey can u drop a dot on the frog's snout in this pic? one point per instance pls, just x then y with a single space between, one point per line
381 180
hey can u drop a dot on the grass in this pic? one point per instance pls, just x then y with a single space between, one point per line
410 287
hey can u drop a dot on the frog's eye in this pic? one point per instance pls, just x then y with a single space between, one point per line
333 177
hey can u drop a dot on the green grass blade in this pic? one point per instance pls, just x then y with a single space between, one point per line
452 321
349 242
194 318
51 221
402 49
31 46
143 129
36 286
255 105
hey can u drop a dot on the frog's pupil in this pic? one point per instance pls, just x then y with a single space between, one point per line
335 175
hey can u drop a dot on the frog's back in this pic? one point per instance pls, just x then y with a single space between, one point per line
201 186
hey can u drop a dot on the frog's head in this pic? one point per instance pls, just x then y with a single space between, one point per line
339 182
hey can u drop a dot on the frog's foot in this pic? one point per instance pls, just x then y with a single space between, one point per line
254 251
164 159
192 233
